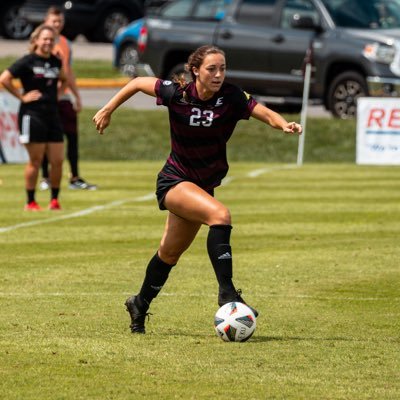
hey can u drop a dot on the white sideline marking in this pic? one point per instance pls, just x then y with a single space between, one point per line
257 172
77 214
226 181
269 296
146 197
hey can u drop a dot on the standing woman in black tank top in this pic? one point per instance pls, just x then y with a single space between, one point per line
39 122
202 115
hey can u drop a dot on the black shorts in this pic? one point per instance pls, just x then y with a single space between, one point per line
39 127
165 183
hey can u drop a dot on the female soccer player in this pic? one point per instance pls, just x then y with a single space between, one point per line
39 123
202 114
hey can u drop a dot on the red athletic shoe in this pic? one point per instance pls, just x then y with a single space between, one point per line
54 205
32 206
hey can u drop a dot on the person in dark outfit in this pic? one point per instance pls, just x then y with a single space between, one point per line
202 115
38 118
67 108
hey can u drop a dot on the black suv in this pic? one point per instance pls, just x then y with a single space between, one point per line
98 20
354 46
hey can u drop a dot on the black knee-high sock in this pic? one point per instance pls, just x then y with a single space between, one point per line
72 153
30 194
156 275
45 167
54 193
220 253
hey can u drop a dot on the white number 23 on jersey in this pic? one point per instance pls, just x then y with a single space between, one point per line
196 117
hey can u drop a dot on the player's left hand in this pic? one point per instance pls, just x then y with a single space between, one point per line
293 127
78 105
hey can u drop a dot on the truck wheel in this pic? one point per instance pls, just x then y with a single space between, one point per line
128 59
343 93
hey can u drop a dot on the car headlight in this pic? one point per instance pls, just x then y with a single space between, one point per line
380 53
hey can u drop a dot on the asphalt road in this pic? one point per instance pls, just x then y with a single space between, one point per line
82 49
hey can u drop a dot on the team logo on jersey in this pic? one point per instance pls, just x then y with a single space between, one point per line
247 95
167 83
219 102
46 72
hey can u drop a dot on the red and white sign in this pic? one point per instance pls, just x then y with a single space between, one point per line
378 131
12 151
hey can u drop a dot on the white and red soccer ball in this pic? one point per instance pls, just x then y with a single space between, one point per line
235 322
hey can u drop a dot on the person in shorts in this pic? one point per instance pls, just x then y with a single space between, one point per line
69 105
203 114
38 119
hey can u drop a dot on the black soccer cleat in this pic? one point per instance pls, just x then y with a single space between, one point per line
138 315
228 297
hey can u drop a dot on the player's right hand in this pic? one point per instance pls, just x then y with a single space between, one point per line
33 95
101 119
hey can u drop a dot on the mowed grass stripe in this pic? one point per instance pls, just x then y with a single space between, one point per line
315 251
97 208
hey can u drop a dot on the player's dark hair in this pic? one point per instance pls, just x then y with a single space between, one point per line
195 60
54 10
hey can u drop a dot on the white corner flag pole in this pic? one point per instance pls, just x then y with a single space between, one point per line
303 119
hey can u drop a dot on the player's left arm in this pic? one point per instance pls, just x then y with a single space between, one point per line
275 120
74 89
63 79
71 79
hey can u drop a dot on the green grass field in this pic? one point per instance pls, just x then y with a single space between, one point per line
144 135
315 251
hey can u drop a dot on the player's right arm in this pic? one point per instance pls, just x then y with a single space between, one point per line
142 84
6 79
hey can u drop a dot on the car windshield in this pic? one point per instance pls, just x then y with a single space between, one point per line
367 14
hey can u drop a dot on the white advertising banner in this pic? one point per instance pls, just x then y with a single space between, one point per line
11 150
378 131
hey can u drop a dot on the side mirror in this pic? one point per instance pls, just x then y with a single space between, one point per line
304 22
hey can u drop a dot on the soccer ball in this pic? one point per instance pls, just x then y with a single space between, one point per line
235 322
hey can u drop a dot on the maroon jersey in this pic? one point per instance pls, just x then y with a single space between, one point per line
200 130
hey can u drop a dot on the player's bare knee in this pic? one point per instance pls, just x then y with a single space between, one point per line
221 217
170 257
36 163
56 161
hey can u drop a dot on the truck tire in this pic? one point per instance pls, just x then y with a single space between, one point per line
343 93
128 58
